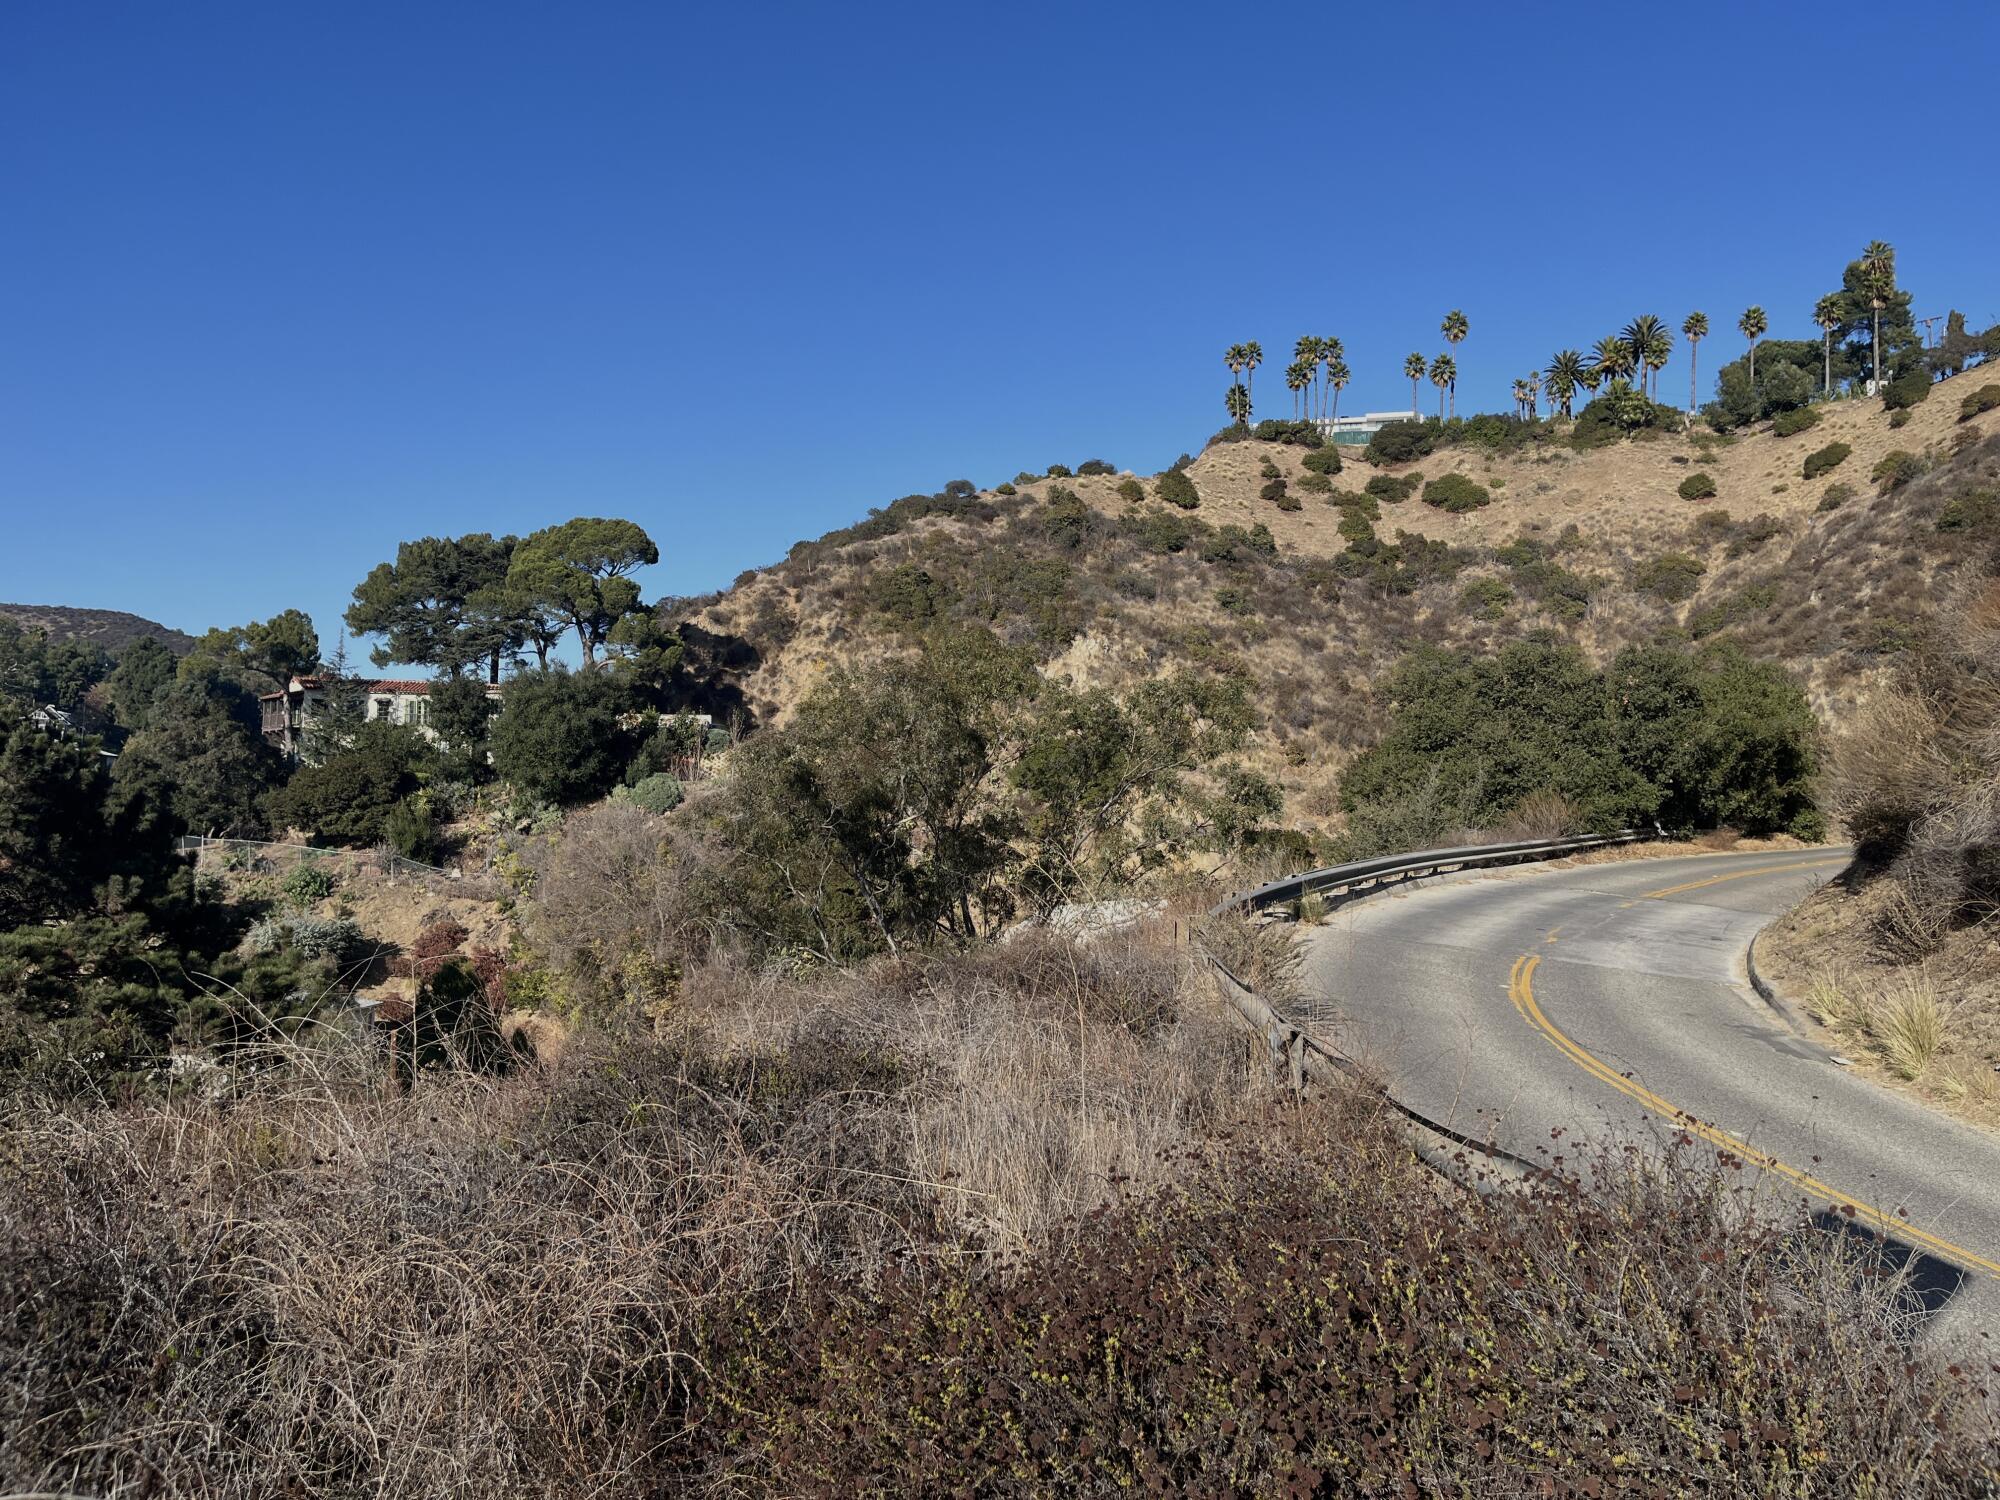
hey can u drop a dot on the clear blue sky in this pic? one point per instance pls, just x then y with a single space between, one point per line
281 284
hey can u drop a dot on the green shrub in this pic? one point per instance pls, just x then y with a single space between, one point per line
347 797
1269 470
307 882
1094 466
1060 471
1899 419
1297 434
1233 600
1486 598
558 735
907 594
411 829
1400 442
1316 484
1697 486
1836 496
1911 388
1024 477
1986 398
1798 419
1455 493
1157 530
1974 511
659 793
1176 488
1896 469
1327 460
1066 520
1005 489
1274 489
1824 460
1670 577
1748 536
1392 489
1131 491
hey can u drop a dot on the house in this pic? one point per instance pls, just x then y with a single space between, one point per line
53 722
287 714
1354 432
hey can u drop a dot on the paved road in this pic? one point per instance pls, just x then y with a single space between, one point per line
1533 1005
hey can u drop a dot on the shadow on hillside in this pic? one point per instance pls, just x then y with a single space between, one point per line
709 678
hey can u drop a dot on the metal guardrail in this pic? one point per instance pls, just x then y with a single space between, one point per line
1297 1050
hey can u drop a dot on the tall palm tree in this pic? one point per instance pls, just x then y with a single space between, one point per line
1612 359
1520 399
1253 356
1534 395
1696 329
1305 349
1414 367
1444 374
1331 353
1454 328
1828 312
1752 325
1237 403
1337 376
1566 372
1643 334
1297 378
1878 277
1233 357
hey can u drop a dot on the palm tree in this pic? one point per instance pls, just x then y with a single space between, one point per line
1696 329
1296 381
1237 403
1521 399
1305 349
1253 356
1233 357
1444 374
1827 312
1566 372
1330 354
1414 367
1612 359
1337 376
1752 324
1878 278
1454 328
1643 334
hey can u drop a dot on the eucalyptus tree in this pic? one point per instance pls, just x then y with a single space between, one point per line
1454 328
1444 375
1414 368
1696 328
1337 376
1566 372
1829 312
1753 325
1878 280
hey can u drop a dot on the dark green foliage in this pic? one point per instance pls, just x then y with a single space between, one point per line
439 604
1092 466
1824 460
1279 493
411 829
1697 486
1670 577
1620 412
461 714
1400 442
1910 389
1794 421
1131 491
1534 569
1486 599
1898 420
1232 600
1986 398
1324 460
558 736
1066 520
1236 432
658 793
1698 738
35 671
1392 489
1005 489
1232 544
578 573
1836 496
347 798
1747 536
1976 510
1456 493
1746 603
1176 488
1060 471
1896 469
1158 530
907 594
1297 434
144 672
1316 484
202 755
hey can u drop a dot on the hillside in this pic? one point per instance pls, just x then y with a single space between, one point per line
1312 603
112 629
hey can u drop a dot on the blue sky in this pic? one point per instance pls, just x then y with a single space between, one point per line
281 285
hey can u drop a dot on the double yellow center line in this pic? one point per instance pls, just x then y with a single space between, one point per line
1521 990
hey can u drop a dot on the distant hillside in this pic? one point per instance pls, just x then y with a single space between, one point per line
113 629
1309 590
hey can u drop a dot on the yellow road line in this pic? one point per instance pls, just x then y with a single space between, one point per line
1521 990
1695 885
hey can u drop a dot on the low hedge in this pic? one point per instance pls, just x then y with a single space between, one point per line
1826 459
1456 493
1697 486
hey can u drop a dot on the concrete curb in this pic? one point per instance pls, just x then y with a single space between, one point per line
1785 1008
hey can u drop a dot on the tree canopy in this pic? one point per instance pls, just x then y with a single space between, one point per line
578 573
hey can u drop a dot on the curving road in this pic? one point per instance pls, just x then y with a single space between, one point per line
1534 1005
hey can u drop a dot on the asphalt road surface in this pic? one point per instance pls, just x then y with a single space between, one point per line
1535 1006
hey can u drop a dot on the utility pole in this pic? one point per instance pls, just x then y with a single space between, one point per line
1927 324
